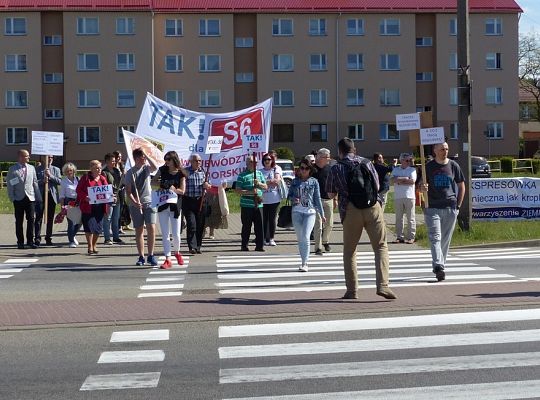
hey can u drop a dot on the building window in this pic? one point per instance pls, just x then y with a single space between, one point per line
120 134
15 26
426 41
317 27
52 40
452 64
89 134
355 97
355 131
209 63
355 27
174 27
495 130
243 42
210 98
493 26
282 62
125 98
282 27
175 97
423 108
317 62
389 97
245 77
388 132
424 76
15 63
53 113
88 62
283 132
125 62
452 29
209 27
453 96
454 130
87 26
318 132
16 99
389 27
125 26
527 111
317 98
494 95
89 98
493 61
16 135
55 77
355 62
389 62
283 98
173 63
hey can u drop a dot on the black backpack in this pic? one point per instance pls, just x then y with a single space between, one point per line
361 184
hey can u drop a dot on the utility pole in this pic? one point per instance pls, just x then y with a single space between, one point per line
464 109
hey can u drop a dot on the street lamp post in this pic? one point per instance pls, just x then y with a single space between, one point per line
488 137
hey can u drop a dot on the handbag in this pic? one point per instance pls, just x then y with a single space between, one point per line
283 189
74 214
285 216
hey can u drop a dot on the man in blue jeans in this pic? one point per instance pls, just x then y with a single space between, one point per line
111 222
445 187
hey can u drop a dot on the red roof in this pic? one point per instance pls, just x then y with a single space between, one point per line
268 6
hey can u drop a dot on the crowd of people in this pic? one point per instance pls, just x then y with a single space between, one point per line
319 187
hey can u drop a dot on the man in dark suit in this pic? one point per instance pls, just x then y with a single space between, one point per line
52 175
23 191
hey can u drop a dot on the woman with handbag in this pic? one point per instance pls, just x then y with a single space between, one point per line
68 198
271 197
305 197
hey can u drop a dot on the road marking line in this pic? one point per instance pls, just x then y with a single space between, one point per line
509 390
167 279
5 276
21 260
158 287
122 381
109 357
159 294
140 336
168 271
313 266
294 328
334 254
10 270
22 266
351 346
491 251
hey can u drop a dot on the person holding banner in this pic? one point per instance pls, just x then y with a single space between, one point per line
68 194
445 187
192 206
53 176
142 213
92 214
172 184
271 197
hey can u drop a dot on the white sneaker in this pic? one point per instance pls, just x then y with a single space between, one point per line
75 241
303 268
272 242
72 244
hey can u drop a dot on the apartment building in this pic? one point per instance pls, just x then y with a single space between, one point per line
83 67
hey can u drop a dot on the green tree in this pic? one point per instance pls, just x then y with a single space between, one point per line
529 73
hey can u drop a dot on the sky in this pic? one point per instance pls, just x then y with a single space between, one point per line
530 19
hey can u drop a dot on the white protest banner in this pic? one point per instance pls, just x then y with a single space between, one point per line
133 142
163 196
186 132
47 143
407 122
505 198
100 194
432 135
213 145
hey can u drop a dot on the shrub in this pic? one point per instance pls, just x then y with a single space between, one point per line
506 164
285 153
536 165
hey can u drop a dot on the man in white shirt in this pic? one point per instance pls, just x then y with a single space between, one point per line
404 178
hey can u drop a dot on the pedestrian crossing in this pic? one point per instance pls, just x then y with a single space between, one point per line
382 358
165 282
13 266
279 273
136 380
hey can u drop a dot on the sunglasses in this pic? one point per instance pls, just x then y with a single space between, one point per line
267 159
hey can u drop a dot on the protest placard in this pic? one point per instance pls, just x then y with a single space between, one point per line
47 143
163 196
102 194
432 135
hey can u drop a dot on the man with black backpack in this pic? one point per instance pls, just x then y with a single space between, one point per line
355 180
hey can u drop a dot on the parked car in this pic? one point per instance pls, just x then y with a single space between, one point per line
480 167
287 167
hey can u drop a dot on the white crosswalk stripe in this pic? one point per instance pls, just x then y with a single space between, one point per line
13 266
279 273
271 356
157 278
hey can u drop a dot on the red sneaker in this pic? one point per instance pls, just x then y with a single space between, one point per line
179 258
166 265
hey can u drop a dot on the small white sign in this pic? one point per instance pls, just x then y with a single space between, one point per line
407 122
213 144
102 194
253 143
163 196
47 143
432 135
